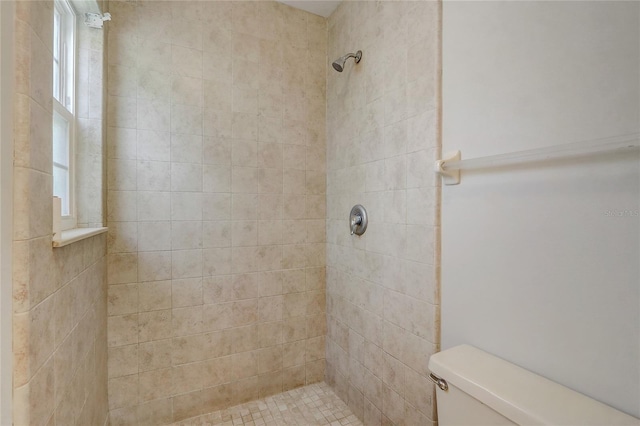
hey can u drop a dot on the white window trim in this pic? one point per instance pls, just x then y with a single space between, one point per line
70 221
66 10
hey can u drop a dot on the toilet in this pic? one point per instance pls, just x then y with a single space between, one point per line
477 388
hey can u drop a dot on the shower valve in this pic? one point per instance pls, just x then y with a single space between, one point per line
358 220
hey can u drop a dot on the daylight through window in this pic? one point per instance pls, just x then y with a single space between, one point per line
63 108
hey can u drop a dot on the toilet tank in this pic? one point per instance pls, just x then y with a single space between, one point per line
485 390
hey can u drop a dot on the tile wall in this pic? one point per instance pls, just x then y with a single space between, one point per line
90 130
382 137
216 205
59 295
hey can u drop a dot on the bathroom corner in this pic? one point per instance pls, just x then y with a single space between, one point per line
319 212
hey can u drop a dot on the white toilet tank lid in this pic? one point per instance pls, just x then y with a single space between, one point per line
518 394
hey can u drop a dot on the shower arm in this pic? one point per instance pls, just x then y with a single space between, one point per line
357 56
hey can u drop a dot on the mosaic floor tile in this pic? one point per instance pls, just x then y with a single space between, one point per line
313 405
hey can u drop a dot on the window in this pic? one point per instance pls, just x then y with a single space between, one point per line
64 24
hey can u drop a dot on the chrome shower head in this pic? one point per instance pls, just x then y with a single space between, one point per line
338 64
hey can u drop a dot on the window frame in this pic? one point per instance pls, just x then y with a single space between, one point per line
66 83
67 86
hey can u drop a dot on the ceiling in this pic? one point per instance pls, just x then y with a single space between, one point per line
317 7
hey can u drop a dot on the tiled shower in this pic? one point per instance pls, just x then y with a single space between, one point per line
233 155
216 205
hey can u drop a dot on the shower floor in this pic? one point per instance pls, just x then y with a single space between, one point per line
312 405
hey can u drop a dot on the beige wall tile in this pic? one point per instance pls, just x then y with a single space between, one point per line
122 299
245 389
154 295
152 384
293 377
187 321
186 292
382 298
270 359
216 234
187 405
294 354
67 328
270 333
270 283
32 134
315 349
154 325
155 412
270 181
217 261
244 312
42 394
218 343
123 360
122 268
245 339
40 334
122 237
154 265
219 370
123 391
315 371
154 355
270 308
216 289
123 330
188 349
217 316
316 325
270 383
30 218
294 329
122 112
245 364
202 90
186 263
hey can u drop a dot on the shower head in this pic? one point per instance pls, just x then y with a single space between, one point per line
338 64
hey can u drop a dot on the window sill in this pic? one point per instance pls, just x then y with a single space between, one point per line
73 235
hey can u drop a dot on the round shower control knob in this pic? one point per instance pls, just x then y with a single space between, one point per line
358 220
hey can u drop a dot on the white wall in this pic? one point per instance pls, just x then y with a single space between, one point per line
533 268
6 193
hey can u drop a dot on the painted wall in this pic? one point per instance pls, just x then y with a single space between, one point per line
216 205
59 295
382 135
540 263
